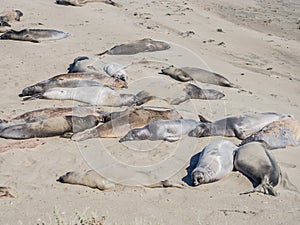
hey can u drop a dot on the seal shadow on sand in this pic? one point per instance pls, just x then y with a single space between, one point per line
193 164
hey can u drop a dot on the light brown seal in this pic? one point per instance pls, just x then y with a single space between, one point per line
237 126
73 80
279 134
256 163
215 162
93 179
122 122
54 126
34 35
144 45
185 74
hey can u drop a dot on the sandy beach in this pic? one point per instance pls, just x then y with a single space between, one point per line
256 45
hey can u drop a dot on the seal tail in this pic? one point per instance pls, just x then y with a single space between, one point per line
142 97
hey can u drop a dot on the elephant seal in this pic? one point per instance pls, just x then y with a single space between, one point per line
96 95
215 162
144 45
194 92
257 164
167 130
191 73
279 134
237 126
122 122
116 70
73 80
93 179
47 113
34 35
85 64
11 15
83 2
49 127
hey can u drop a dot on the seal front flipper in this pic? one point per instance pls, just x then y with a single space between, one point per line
167 184
171 139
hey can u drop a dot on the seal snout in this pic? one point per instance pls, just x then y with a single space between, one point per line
198 178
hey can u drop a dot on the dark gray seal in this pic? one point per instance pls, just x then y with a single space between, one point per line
237 126
185 74
144 45
34 35
257 164
194 92
167 130
215 162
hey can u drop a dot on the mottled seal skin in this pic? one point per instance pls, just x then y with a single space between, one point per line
194 92
167 130
34 35
93 179
49 127
279 134
191 73
256 163
73 80
144 45
11 15
215 162
237 126
47 113
83 2
122 122
116 70
96 95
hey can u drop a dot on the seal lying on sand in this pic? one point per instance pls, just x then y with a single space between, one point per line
279 134
96 95
86 64
34 35
83 2
191 73
116 70
193 92
73 80
237 126
144 45
93 179
167 130
11 15
256 163
48 127
215 162
122 122
47 113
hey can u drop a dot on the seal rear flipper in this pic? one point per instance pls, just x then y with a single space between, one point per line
203 119
4 192
34 96
142 97
167 184
103 53
266 189
180 100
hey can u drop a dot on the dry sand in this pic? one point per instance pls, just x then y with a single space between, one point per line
258 49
